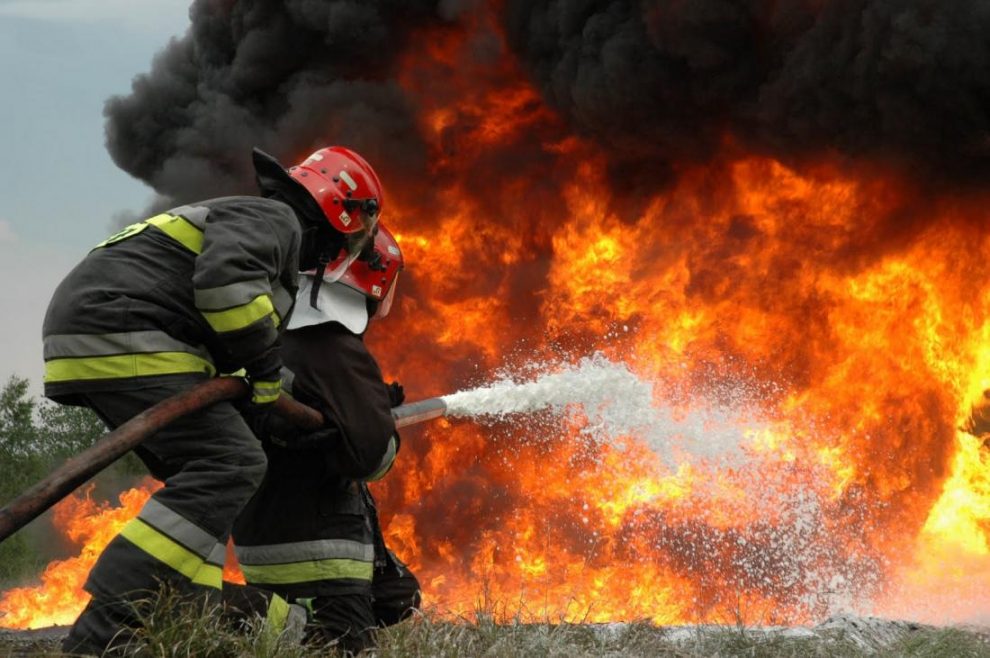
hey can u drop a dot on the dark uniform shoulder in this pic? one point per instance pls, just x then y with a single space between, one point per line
250 203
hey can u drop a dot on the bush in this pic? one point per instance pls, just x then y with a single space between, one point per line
36 438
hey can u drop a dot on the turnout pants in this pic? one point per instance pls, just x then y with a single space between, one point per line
315 539
211 464
350 619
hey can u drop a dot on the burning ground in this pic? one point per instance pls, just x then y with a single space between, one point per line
771 213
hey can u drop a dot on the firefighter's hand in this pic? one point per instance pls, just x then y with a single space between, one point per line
257 410
265 389
264 374
396 394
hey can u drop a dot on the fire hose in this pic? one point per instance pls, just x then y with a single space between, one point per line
76 470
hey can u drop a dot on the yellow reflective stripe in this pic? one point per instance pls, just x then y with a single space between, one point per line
278 612
119 366
169 522
123 234
241 316
305 572
180 230
263 392
166 550
209 575
59 346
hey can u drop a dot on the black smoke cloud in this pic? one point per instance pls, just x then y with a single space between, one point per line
898 81
658 81
284 75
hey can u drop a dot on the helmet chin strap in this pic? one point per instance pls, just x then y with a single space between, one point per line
326 245
375 261
321 268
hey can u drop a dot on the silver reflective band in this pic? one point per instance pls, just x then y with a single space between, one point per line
231 295
132 342
218 556
282 300
320 549
176 527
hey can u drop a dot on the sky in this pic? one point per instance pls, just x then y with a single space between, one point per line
59 190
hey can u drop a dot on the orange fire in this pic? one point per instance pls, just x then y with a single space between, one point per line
833 320
836 317
90 525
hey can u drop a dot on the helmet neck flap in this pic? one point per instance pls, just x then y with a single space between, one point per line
274 182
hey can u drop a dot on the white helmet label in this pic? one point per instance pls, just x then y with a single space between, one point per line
346 177
345 219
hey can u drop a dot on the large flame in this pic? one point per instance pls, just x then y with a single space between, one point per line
88 524
836 316
835 320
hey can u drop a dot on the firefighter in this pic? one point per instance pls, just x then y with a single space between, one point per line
325 548
164 304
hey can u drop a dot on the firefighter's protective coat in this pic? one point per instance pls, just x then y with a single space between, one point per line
148 313
193 291
324 541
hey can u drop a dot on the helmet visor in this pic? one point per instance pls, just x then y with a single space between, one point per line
386 304
357 244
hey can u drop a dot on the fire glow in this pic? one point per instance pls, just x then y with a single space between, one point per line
90 525
849 307
857 491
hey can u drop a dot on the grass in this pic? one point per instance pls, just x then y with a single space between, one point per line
173 629
432 636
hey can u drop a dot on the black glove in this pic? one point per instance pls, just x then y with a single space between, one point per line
396 395
264 374
258 407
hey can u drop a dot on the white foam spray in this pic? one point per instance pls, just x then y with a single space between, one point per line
613 398
615 402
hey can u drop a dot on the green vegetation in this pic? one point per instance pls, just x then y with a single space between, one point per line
174 629
35 437
431 636
172 626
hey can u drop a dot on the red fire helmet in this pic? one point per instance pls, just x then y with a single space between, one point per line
348 192
376 274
